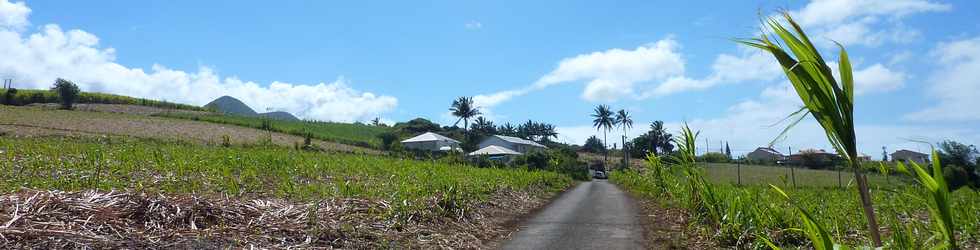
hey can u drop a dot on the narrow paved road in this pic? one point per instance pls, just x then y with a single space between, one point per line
593 215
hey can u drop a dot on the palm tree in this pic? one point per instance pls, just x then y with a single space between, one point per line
657 133
463 108
624 120
507 129
483 126
548 131
603 121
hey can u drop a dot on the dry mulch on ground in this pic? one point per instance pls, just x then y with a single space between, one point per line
667 228
93 219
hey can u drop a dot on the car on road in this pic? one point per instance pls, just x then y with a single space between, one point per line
599 175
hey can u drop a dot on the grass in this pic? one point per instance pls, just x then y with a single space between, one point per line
30 96
346 133
758 175
175 168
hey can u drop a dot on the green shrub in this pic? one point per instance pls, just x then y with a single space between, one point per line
67 92
714 157
8 96
387 139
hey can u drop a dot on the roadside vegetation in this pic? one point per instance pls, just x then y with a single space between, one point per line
920 213
754 214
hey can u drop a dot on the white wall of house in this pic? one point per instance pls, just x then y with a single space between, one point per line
429 145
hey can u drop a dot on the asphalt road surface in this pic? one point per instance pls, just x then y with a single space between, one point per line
593 215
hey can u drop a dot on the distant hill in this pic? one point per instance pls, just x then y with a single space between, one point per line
232 106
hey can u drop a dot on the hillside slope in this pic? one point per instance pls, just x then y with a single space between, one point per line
41 121
279 115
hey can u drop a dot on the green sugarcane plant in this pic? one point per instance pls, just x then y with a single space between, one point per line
815 231
829 102
940 206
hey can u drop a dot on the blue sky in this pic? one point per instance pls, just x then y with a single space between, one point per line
671 60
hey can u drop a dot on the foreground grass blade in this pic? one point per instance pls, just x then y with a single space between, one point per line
830 103
814 230
940 208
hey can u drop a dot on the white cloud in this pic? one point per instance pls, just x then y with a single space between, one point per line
863 22
955 84
655 60
13 15
490 100
613 74
37 59
877 78
473 25
749 65
610 75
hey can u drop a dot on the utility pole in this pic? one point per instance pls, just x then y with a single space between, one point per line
706 149
626 154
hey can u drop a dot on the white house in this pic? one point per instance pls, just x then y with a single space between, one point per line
431 142
765 154
907 156
513 143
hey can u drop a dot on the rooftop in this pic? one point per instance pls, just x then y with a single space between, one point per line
429 136
519 140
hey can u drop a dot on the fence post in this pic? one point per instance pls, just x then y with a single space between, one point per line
792 171
739 171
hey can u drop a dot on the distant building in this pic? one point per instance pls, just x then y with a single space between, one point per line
431 142
864 157
909 156
494 152
765 154
513 143
813 158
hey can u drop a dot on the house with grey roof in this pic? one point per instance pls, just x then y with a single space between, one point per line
764 154
907 156
513 143
431 142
